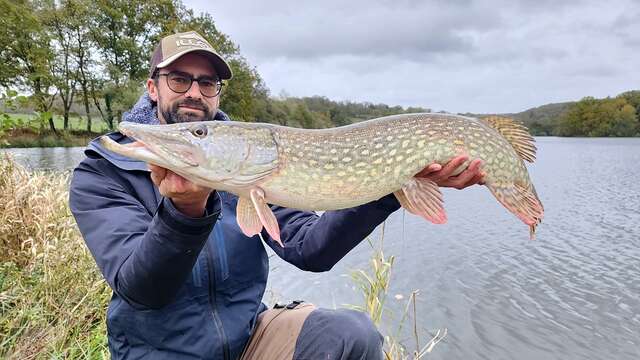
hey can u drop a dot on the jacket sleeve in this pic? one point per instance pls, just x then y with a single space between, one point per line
316 243
144 257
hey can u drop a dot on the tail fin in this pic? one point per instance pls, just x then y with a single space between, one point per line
521 201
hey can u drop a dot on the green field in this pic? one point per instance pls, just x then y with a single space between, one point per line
24 130
75 122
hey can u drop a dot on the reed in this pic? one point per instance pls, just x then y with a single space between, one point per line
374 284
52 297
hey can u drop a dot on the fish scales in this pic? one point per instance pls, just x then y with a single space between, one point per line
343 167
328 169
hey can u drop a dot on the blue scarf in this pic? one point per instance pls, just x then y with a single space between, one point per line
145 112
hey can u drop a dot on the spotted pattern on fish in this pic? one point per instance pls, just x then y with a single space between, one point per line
327 169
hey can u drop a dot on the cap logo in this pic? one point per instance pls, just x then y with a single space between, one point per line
192 40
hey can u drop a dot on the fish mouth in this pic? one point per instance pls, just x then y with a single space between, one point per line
155 144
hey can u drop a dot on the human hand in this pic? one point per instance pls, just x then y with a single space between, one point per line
189 198
443 175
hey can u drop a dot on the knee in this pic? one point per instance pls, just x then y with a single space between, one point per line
362 337
359 336
339 334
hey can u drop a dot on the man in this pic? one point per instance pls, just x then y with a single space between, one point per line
187 284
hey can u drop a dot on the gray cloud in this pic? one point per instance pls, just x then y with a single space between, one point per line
410 29
462 55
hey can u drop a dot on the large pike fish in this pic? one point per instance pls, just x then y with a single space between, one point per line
328 169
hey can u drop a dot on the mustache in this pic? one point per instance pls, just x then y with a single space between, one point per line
171 115
193 103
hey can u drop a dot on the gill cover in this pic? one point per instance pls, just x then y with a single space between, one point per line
237 154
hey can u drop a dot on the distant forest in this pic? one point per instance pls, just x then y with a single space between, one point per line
589 117
89 59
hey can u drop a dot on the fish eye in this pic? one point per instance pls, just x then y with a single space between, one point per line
199 131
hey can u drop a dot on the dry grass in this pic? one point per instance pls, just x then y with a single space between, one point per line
52 297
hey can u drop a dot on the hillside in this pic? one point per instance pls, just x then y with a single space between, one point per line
540 120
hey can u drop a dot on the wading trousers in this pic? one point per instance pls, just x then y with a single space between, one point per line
301 331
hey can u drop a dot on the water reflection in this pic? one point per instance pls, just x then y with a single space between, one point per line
56 158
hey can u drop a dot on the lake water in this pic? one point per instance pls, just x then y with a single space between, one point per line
573 293
56 158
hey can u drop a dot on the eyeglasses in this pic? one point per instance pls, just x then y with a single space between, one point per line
181 83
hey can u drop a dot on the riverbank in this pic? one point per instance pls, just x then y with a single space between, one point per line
52 296
53 299
27 137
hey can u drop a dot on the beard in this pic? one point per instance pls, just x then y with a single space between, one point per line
172 113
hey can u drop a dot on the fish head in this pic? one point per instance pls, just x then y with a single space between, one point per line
180 145
210 153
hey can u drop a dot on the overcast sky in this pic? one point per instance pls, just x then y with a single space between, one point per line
457 55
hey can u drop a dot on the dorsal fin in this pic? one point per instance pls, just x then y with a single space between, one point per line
517 135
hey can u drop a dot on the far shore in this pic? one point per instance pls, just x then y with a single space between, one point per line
25 138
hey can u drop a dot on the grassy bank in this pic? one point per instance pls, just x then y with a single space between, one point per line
52 297
24 138
24 130
75 122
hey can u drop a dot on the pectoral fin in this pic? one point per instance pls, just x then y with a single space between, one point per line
267 218
247 217
422 197
252 214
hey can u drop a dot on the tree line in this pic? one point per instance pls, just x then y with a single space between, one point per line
90 58
611 116
96 53
617 116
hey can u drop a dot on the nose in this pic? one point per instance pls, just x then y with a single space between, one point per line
194 91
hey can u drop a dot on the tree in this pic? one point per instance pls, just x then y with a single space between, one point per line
60 23
205 26
124 32
10 67
598 117
238 98
77 16
30 54
633 98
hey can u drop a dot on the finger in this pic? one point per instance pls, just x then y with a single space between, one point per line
433 168
153 167
430 169
482 176
474 166
450 167
184 185
466 177
158 174
476 179
177 183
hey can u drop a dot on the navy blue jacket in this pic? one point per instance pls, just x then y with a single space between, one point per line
191 288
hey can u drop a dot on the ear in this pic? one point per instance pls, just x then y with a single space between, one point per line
152 90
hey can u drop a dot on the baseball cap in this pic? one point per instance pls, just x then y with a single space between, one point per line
172 47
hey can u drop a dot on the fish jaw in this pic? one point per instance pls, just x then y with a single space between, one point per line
224 155
171 146
136 150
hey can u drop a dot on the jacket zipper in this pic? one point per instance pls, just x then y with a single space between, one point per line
212 302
